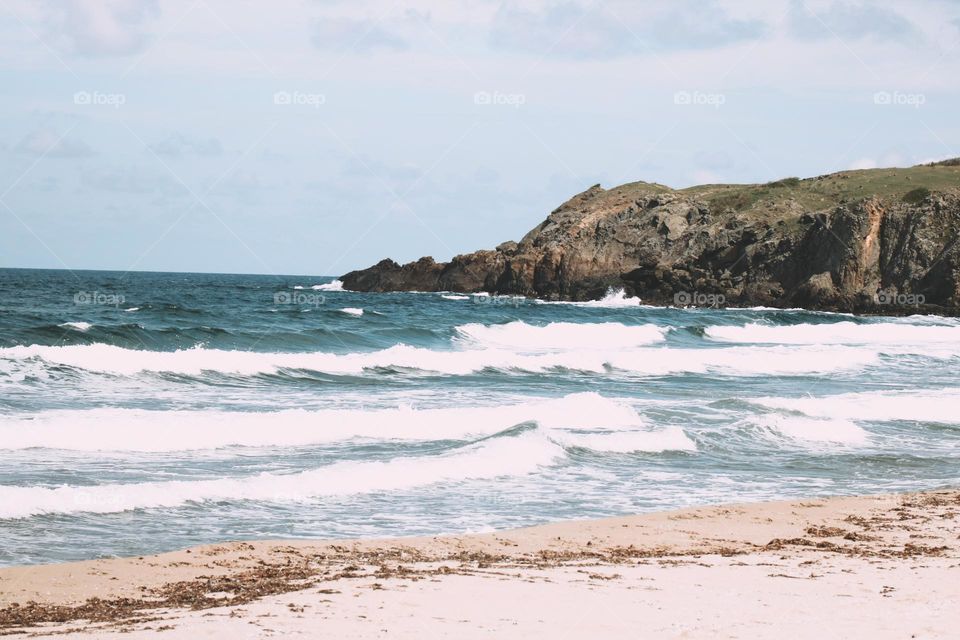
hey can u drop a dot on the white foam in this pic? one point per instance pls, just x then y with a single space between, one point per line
922 406
890 333
454 297
656 361
652 441
499 457
79 326
352 311
814 429
131 309
157 431
336 285
561 335
614 299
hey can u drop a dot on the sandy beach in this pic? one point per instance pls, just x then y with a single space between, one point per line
871 567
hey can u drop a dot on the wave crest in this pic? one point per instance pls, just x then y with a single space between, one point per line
502 457
561 335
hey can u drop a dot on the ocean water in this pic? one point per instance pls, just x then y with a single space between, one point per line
146 412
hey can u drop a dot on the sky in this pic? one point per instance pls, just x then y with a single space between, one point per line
315 137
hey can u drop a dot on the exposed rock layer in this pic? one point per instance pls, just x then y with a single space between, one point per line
882 241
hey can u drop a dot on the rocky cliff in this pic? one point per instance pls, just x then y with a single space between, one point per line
881 240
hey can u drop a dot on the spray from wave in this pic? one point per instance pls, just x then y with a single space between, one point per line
336 285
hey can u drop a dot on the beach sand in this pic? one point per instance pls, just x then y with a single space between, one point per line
858 567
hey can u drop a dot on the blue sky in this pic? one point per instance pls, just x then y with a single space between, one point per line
314 137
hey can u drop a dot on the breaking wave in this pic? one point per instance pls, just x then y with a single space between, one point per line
493 458
561 335
851 333
651 361
162 431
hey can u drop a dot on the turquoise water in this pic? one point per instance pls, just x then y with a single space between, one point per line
146 412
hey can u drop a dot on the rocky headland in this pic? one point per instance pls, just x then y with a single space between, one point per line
870 241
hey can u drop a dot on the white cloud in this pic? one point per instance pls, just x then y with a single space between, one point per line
46 142
178 144
343 34
849 20
575 30
130 179
98 28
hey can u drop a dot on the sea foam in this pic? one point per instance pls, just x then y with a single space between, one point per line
879 406
162 431
336 285
805 429
544 355
850 333
501 457
561 335
614 299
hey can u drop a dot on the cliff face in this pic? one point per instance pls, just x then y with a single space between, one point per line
881 241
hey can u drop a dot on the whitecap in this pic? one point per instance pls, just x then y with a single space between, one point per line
113 429
651 441
561 335
495 458
879 406
806 429
336 285
889 333
79 326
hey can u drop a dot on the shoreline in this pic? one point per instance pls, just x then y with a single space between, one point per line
879 547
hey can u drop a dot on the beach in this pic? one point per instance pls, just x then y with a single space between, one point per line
869 566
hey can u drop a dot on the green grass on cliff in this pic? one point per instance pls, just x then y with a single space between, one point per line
825 192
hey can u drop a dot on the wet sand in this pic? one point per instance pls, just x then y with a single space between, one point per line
871 567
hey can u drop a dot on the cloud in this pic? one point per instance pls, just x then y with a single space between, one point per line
360 36
847 20
102 28
46 142
605 31
177 145
129 179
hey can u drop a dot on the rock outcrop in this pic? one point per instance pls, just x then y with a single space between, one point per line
882 241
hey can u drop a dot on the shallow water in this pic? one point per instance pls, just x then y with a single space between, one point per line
146 412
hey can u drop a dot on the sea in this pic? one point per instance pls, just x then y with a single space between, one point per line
146 412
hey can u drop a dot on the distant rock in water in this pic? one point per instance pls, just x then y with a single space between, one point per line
878 241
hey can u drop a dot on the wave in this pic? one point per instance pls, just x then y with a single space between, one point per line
561 335
851 333
352 311
165 431
650 441
879 406
79 326
454 297
652 361
614 299
493 458
336 285
813 429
